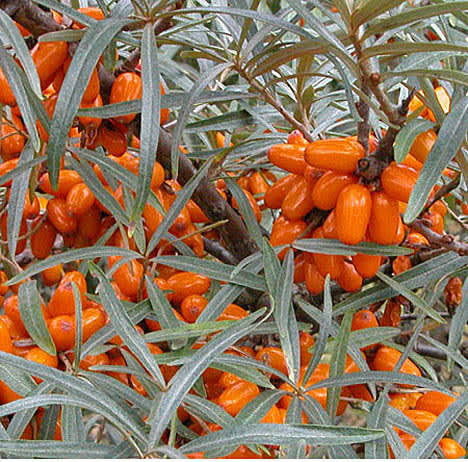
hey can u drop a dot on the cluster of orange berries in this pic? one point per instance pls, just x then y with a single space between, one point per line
322 175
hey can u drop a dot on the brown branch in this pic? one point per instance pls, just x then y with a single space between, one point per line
446 241
444 190
217 250
30 16
234 233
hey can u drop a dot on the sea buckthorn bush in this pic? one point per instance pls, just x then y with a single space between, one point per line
233 230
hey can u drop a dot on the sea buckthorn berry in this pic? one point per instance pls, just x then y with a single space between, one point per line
6 167
416 241
339 154
233 312
126 87
48 58
438 207
89 223
364 319
327 264
349 279
289 157
257 185
312 174
42 241
286 231
6 93
77 278
353 210
91 11
273 416
398 181
52 275
12 142
234 398
329 227
435 402
401 264
296 137
298 201
384 219
196 213
58 215
87 121
66 180
113 141
392 314
412 162
276 193
299 268
422 419
386 359
3 279
21 244
252 202
192 306
367 265
31 209
157 178
11 308
228 379
422 145
306 342
40 356
5 338
79 199
62 331
92 90
273 357
93 320
400 234
437 222
315 282
129 280
451 449
184 284
328 187
361 391
453 292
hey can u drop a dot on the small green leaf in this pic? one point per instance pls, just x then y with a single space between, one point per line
33 318
449 140
406 136
370 9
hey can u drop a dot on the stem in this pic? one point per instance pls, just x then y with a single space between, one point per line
272 101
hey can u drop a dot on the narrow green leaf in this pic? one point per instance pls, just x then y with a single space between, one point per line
370 9
19 189
188 374
450 138
459 321
376 419
412 297
78 326
72 424
413 15
33 318
92 45
183 196
214 270
87 253
195 91
335 247
337 362
15 79
406 136
8 27
281 434
124 325
451 75
150 105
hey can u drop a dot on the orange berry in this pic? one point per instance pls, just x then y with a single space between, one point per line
328 188
232 312
40 356
398 181
276 193
62 331
93 320
367 265
327 264
42 241
289 157
422 145
192 306
273 357
126 87
66 180
184 283
339 154
48 58
128 280
6 93
286 231
234 398
349 279
435 402
384 219
5 339
79 199
451 449
364 319
306 342
298 201
353 211
252 202
422 419
386 359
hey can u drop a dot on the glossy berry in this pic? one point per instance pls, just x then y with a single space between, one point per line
298 201
234 398
192 306
349 279
79 199
435 402
384 219
126 87
338 154
273 357
289 157
42 241
398 181
367 265
184 284
62 331
328 188
353 211
451 448
276 193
